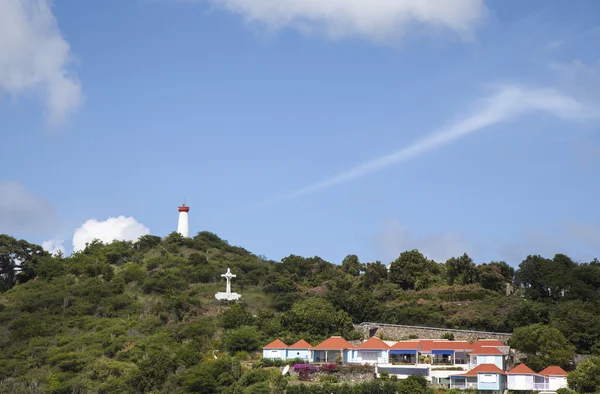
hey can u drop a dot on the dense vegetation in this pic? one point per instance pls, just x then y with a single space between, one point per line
141 317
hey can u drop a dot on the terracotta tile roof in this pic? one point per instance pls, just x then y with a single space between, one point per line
553 371
276 344
488 342
521 369
452 345
426 345
334 343
373 343
484 368
486 350
301 344
406 345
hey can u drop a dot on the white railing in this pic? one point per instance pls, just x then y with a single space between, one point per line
467 385
548 386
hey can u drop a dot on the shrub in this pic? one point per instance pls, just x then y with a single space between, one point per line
328 379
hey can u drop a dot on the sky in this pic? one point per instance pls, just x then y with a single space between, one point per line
308 127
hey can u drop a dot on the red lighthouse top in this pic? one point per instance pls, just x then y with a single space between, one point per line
184 208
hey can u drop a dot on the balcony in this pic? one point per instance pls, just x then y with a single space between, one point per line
545 386
463 385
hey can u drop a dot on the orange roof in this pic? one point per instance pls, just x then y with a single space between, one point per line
484 368
426 345
373 343
334 343
521 369
553 371
276 344
301 344
406 345
486 350
488 342
452 345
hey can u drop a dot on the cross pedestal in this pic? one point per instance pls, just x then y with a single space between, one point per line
228 295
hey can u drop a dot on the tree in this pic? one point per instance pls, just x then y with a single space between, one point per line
461 270
490 277
375 273
18 259
543 278
318 318
413 271
235 316
543 345
245 338
351 265
586 378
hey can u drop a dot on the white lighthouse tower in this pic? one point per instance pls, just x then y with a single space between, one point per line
183 226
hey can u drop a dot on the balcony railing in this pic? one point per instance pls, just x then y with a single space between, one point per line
467 385
546 386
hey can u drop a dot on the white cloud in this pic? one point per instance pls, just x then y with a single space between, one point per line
34 57
119 228
54 246
507 103
395 239
21 211
377 20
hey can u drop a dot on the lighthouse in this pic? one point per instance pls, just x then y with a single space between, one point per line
183 226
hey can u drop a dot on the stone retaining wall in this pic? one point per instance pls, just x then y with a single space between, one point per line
401 332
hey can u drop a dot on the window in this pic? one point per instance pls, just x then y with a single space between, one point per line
488 378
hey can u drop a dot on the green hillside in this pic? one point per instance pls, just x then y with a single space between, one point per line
141 317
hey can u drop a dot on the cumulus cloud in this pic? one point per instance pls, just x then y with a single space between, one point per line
394 239
508 102
120 228
376 20
54 246
22 211
34 57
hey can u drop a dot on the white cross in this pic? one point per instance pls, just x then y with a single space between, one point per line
228 275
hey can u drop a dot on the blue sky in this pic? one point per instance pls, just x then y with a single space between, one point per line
313 128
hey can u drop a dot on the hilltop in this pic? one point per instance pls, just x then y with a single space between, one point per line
142 317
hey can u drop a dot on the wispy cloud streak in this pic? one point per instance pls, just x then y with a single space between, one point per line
507 103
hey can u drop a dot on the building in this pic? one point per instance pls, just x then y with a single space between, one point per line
183 226
300 349
372 351
276 350
547 380
332 350
455 364
486 378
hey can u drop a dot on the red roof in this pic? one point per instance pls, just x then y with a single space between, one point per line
553 371
334 343
276 344
521 369
373 343
486 350
484 368
301 344
406 345
426 345
452 345
488 342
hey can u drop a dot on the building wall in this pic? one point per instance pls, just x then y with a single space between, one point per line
297 353
368 357
556 382
520 382
484 381
497 360
274 353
